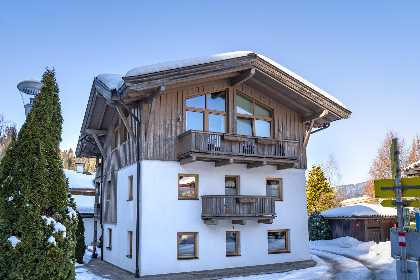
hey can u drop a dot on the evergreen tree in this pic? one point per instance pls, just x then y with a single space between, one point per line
319 194
80 239
319 229
37 220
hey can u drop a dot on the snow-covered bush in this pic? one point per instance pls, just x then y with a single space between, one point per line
319 229
37 223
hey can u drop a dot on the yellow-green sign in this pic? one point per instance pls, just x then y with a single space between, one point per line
415 181
388 203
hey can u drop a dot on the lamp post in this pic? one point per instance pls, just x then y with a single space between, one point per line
29 89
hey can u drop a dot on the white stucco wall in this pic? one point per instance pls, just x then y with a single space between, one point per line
164 215
126 221
89 227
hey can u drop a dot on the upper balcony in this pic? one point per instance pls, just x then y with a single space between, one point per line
224 148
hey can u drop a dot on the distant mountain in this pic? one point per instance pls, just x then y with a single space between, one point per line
351 190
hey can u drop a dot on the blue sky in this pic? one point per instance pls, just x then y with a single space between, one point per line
365 53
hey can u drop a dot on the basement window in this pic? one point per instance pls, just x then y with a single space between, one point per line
232 243
129 244
109 239
187 245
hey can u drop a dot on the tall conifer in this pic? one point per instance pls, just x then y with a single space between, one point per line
319 194
37 222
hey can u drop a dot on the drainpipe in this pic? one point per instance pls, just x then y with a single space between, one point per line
138 226
102 206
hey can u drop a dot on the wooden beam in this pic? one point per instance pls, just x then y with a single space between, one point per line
265 221
158 92
308 133
99 145
151 121
210 222
96 131
257 164
238 222
125 121
315 116
246 75
285 166
187 160
223 162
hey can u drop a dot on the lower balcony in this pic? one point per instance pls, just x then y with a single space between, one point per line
224 148
238 209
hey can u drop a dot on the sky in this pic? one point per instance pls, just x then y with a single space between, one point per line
365 53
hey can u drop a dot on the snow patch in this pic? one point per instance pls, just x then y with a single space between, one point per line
71 213
10 198
112 81
60 227
363 209
14 240
48 220
51 239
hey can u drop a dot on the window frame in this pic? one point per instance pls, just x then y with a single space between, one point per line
130 244
206 111
287 249
195 187
109 239
130 188
125 135
116 135
237 182
280 180
187 257
236 253
254 117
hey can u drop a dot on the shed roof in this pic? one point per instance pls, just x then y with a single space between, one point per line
363 210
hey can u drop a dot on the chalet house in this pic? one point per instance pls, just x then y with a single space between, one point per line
203 162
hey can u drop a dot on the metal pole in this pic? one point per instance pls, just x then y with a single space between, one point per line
398 193
102 206
138 199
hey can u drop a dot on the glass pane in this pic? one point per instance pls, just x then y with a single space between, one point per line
186 245
276 241
262 111
243 105
197 102
244 126
230 186
231 243
187 186
217 101
217 123
262 128
273 188
194 120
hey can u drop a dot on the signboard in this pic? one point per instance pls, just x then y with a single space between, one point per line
409 182
388 203
393 160
406 216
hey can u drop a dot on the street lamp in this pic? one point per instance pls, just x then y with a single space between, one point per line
29 89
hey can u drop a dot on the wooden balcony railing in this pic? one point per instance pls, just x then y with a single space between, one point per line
237 208
224 144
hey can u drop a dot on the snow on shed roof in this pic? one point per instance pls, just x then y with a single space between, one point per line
412 166
79 180
84 203
360 210
115 81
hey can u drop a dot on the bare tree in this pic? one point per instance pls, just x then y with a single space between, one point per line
380 167
332 171
414 154
7 134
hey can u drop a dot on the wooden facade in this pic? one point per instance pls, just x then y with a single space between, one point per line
363 229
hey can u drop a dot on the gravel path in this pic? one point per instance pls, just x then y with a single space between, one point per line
109 271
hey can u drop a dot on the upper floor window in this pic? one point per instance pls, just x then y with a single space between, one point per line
252 118
207 112
125 134
187 186
274 188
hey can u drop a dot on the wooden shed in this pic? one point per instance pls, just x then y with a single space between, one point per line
364 222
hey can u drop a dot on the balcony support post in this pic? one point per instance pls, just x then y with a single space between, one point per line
257 164
238 222
188 160
223 162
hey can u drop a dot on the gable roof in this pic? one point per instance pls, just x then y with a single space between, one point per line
363 210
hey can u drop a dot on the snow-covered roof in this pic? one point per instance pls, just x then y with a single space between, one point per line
115 81
354 199
79 180
412 166
360 210
84 203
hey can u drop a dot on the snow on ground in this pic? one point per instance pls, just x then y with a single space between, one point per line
330 265
84 274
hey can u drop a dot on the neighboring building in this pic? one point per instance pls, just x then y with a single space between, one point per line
365 222
413 170
82 189
221 176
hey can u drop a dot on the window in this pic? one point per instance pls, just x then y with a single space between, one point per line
187 186
108 190
130 188
109 239
115 136
274 188
124 129
207 112
232 243
130 244
231 185
252 118
187 245
278 241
